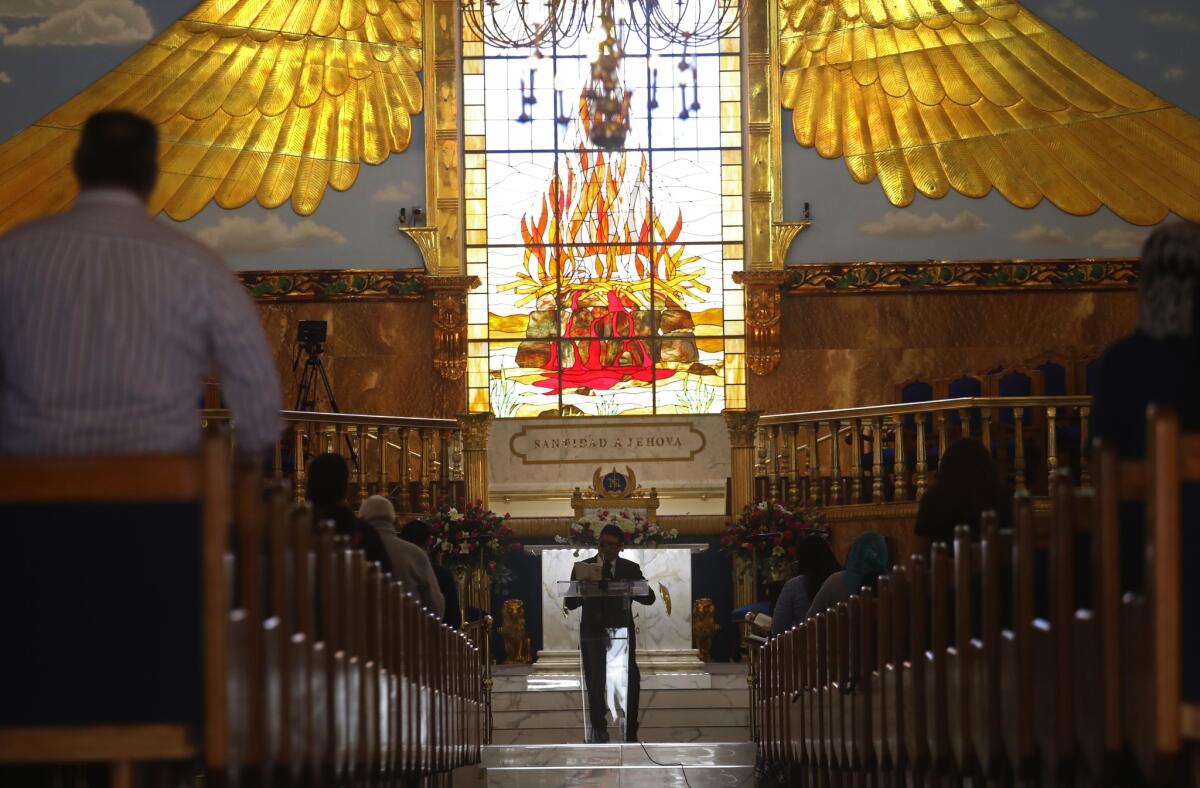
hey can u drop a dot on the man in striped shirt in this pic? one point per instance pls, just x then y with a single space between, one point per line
110 321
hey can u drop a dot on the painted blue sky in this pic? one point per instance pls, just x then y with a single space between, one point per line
51 49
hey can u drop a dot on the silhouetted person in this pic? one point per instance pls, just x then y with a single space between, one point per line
1158 363
111 321
419 533
328 481
868 559
966 486
600 630
816 562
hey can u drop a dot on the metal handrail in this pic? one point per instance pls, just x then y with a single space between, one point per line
309 417
929 406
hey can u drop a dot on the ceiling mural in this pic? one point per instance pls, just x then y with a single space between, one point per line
1105 89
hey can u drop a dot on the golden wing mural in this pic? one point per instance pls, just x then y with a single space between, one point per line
255 99
933 95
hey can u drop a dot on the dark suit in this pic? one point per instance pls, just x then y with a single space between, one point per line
598 616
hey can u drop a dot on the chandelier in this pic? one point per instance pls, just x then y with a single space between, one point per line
551 24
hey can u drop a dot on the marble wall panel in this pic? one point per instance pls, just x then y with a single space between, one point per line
379 356
656 628
853 349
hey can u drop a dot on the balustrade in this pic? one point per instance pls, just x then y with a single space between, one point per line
415 462
888 453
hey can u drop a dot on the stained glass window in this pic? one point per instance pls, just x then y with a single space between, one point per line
607 276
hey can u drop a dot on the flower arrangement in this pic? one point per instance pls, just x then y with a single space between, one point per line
637 530
769 533
471 537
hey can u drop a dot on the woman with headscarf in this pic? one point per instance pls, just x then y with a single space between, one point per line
816 562
868 560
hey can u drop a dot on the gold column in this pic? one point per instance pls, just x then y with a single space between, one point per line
760 76
742 426
475 428
763 292
440 240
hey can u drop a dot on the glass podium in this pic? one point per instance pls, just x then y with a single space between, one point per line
604 637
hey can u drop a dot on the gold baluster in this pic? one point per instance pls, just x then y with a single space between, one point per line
899 466
1051 442
405 470
964 423
425 466
835 452
922 465
781 462
360 467
381 473
772 465
793 464
814 463
298 460
855 460
1019 449
941 428
1085 476
277 461
876 460
985 419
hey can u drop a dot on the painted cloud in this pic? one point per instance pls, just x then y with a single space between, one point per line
86 23
241 235
906 224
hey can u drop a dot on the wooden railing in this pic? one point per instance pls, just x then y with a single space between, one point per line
1017 659
884 452
416 462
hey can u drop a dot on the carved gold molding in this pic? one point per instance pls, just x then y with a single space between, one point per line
426 239
782 235
762 204
343 284
763 291
939 276
450 323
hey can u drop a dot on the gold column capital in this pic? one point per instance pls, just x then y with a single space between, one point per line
742 426
476 428
426 239
782 235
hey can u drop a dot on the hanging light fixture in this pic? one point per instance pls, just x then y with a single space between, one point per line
521 24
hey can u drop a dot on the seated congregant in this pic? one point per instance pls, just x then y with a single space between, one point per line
868 559
966 485
410 564
328 482
816 562
112 321
419 533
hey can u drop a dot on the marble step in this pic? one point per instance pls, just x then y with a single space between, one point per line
649 716
622 777
574 734
619 765
562 681
650 699
735 753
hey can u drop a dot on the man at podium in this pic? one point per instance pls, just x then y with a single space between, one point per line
606 634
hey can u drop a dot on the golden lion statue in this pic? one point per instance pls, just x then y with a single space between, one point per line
704 625
512 629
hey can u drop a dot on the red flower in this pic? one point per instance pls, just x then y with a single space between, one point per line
791 549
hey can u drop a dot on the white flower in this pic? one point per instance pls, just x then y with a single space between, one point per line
762 506
446 547
454 515
560 539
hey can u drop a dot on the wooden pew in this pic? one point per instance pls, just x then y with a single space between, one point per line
202 480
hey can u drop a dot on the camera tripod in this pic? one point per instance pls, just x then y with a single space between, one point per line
307 391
